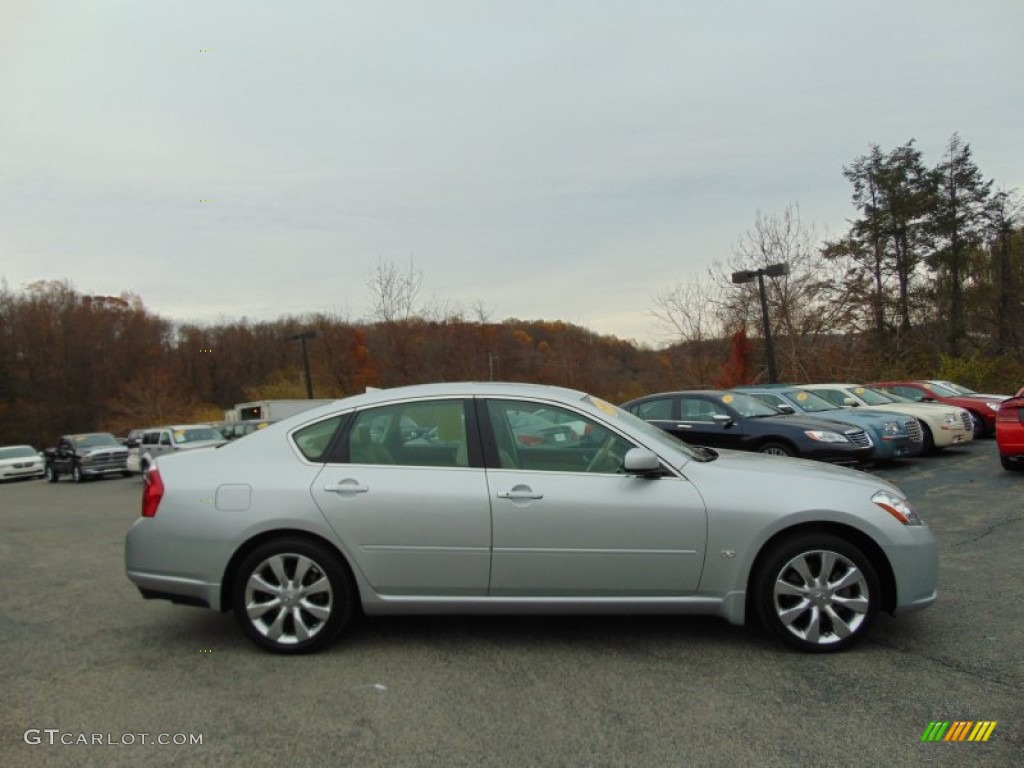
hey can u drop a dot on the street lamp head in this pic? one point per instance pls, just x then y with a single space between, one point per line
744 276
776 270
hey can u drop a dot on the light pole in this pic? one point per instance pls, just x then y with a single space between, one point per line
303 338
746 276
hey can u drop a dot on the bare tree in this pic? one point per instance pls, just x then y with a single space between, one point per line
394 291
806 306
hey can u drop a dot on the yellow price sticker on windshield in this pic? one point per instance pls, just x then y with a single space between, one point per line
727 398
859 391
178 434
801 396
604 406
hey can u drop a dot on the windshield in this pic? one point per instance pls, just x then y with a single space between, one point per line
873 396
18 452
809 402
941 389
196 434
749 406
94 441
649 431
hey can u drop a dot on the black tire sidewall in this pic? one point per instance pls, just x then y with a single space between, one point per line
784 551
763 448
342 587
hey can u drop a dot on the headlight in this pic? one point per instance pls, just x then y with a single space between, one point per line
993 406
892 428
897 507
823 436
951 420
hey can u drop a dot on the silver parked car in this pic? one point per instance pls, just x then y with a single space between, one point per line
340 509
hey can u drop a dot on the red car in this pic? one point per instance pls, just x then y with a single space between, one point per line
1010 432
982 408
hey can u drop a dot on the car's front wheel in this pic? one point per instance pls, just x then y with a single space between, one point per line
76 474
816 592
52 475
293 595
978 425
777 449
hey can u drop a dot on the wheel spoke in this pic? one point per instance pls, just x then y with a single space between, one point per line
848 579
788 615
828 562
318 587
302 565
813 631
320 612
256 610
802 567
298 621
275 630
276 565
258 584
839 625
857 604
788 589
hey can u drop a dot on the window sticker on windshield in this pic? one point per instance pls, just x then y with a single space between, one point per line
604 406
79 438
859 391
801 396
179 434
727 398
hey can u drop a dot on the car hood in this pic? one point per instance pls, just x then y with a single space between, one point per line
776 470
101 449
800 421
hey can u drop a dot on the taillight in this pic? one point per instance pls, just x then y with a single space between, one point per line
152 492
1012 412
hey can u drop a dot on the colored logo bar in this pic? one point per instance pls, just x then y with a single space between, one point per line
959 730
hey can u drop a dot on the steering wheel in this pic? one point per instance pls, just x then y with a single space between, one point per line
602 454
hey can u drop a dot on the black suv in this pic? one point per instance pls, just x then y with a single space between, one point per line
720 419
96 454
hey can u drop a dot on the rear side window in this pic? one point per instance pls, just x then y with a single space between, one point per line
654 409
313 441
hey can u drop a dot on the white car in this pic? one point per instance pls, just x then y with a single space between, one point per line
942 425
179 437
19 461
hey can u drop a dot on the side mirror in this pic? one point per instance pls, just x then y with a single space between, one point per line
849 402
640 461
785 408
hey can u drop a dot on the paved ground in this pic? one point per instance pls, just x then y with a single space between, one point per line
84 654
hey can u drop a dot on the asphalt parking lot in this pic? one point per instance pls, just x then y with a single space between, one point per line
86 660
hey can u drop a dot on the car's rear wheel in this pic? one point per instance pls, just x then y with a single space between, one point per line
76 474
816 592
1013 466
52 475
293 595
776 449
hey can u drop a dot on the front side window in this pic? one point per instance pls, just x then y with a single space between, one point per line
536 436
430 433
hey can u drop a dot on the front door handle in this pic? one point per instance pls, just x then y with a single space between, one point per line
520 493
347 487
684 426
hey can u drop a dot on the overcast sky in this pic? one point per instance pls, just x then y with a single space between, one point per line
555 159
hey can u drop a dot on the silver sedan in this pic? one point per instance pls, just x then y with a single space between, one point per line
347 508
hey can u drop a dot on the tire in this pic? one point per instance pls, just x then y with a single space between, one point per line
801 604
1011 466
927 441
126 473
776 449
76 474
318 607
978 425
51 474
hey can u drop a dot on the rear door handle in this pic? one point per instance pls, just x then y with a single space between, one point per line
684 426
